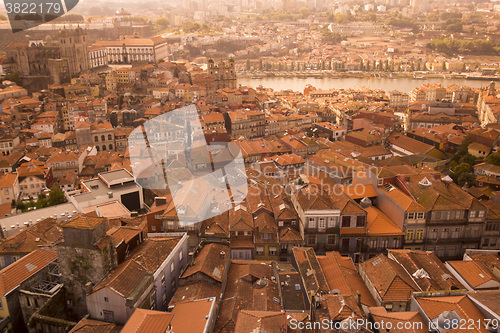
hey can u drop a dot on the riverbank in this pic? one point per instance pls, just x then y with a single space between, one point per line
403 84
364 75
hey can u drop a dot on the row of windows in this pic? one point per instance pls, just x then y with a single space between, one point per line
103 138
104 147
456 215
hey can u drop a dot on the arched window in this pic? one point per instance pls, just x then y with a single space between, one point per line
97 147
96 138
103 147
103 138
109 137
110 147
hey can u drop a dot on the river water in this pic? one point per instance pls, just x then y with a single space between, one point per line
401 84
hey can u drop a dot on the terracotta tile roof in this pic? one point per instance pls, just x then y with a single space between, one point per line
124 278
82 221
290 235
39 234
94 326
488 298
389 279
439 278
490 260
380 315
474 273
249 287
437 195
409 144
242 242
8 180
359 191
402 199
339 307
216 225
63 157
288 159
261 321
123 234
154 251
148 321
191 316
194 291
462 305
21 270
341 274
310 270
209 261
379 224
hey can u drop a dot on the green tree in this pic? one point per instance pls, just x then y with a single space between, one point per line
162 22
56 196
304 12
15 76
493 159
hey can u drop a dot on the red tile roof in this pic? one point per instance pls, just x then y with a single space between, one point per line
16 273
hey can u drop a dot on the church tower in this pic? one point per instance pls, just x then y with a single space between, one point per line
75 47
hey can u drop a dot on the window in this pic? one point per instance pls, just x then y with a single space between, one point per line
110 147
172 267
396 243
103 138
360 221
444 233
272 250
312 222
385 243
411 216
409 235
259 250
330 240
265 236
472 214
486 241
332 222
322 223
311 239
280 223
96 138
420 216
434 233
455 232
163 280
153 228
436 215
109 137
419 235
493 242
346 221
481 213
